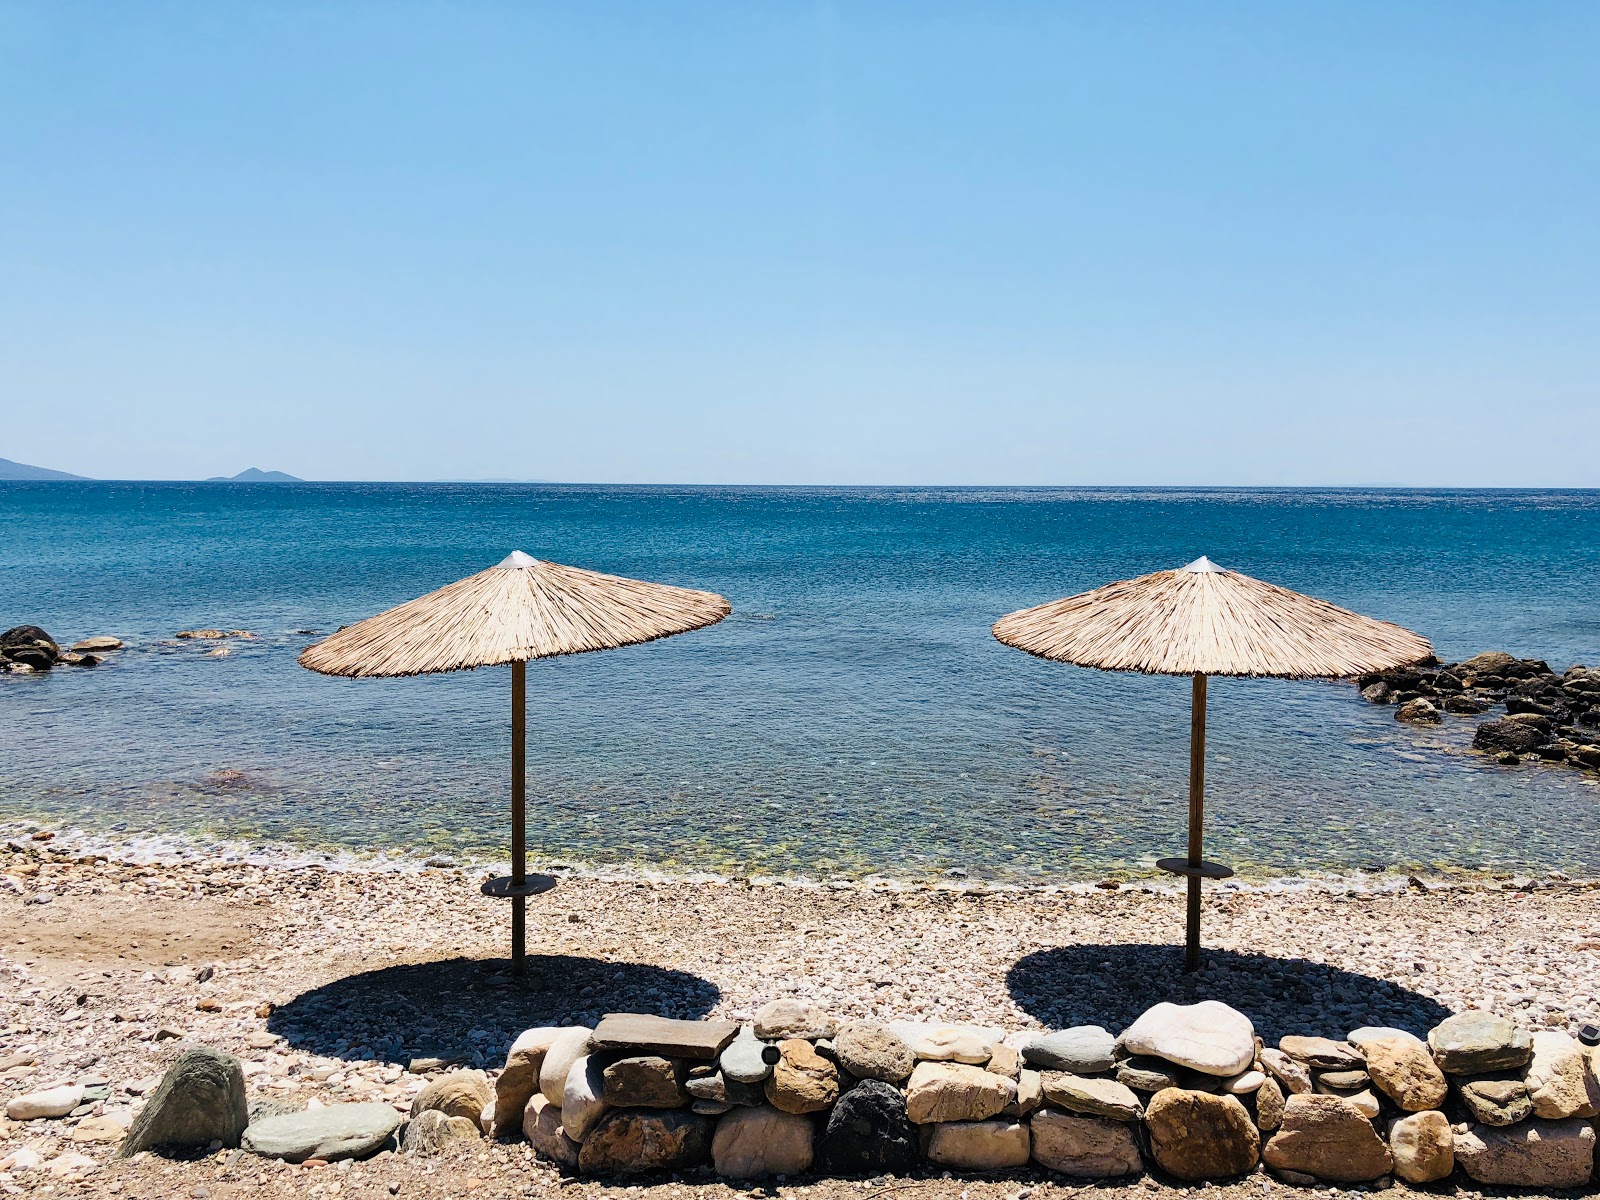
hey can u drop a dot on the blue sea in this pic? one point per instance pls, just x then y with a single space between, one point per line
852 717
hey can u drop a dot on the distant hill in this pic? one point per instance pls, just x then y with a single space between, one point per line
16 470
256 475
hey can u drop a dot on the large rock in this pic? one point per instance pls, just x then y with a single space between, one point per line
541 1125
1490 662
640 1033
520 1077
790 1018
200 1100
979 1145
947 1091
646 1081
1091 1097
1423 1147
751 1143
1559 1080
1534 1154
1504 734
744 1059
99 644
932 1042
431 1131
870 1051
631 1140
458 1094
331 1133
1209 1036
1143 1073
30 646
583 1102
1495 1099
52 1102
803 1081
868 1133
1478 1043
1327 1137
1084 1147
1198 1135
1082 1050
1403 1070
566 1048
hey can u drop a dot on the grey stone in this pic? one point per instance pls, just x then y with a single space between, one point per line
1084 1147
1495 1099
331 1133
200 1100
1081 1050
1477 1042
1143 1073
742 1060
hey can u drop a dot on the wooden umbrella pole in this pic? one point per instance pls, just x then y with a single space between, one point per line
519 805
1197 814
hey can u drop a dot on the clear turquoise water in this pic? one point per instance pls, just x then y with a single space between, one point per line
853 715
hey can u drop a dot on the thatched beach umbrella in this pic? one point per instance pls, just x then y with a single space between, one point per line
1203 620
521 608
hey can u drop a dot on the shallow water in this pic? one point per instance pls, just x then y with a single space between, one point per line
853 715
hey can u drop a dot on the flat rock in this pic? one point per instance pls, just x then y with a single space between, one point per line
791 1018
1143 1073
932 1042
541 1125
1322 1054
631 1140
1534 1154
868 1133
1198 1136
742 1059
1477 1042
458 1094
1295 1077
566 1048
1084 1147
947 1091
1341 1081
52 1102
1091 1097
1244 1083
870 1051
432 1130
1423 1147
979 1145
1082 1050
645 1081
1329 1138
1559 1079
583 1102
1494 1099
752 1143
331 1133
200 1100
803 1081
1371 1033
519 1079
1209 1036
99 1129
645 1034
1403 1069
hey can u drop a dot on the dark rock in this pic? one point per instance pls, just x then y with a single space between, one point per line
868 1133
1418 712
631 1140
1376 693
30 646
1490 662
1469 705
1521 704
200 1100
1517 737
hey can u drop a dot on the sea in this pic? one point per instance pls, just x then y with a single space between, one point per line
854 717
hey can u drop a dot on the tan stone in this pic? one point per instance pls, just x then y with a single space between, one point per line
1404 1070
99 1129
979 1145
1084 1147
1423 1147
931 1042
1030 1094
541 1125
520 1077
1558 1078
566 1048
631 1140
1091 1097
803 1081
458 1094
1199 1135
751 1143
1269 1106
583 1102
1322 1053
1006 1060
1295 1077
870 1051
791 1018
1533 1154
1327 1137
432 1130
947 1091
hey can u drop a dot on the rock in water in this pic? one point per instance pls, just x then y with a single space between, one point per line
541 1125
1534 1154
947 1091
870 1051
1559 1081
97 645
53 1102
646 1081
631 1140
30 646
1329 1138
331 1133
1419 711
742 1059
1198 1135
1082 1050
979 1145
803 1081
200 1100
458 1094
751 1143
1423 1147
1505 734
432 1130
566 1048
868 1133
1478 1043
789 1018
1403 1070
1091 1097
1209 1036
520 1078
1084 1147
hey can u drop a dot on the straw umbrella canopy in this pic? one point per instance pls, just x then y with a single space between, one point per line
1202 620
519 609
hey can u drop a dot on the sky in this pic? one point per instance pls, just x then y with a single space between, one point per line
804 243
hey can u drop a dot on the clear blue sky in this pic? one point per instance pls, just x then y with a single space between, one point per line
804 242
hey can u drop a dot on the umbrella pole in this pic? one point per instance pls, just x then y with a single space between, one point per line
519 802
1197 804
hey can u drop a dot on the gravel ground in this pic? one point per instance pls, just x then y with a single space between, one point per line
327 984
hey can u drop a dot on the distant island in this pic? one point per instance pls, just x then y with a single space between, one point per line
256 475
16 470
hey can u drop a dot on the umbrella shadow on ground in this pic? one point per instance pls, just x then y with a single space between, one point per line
471 1009
1111 985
